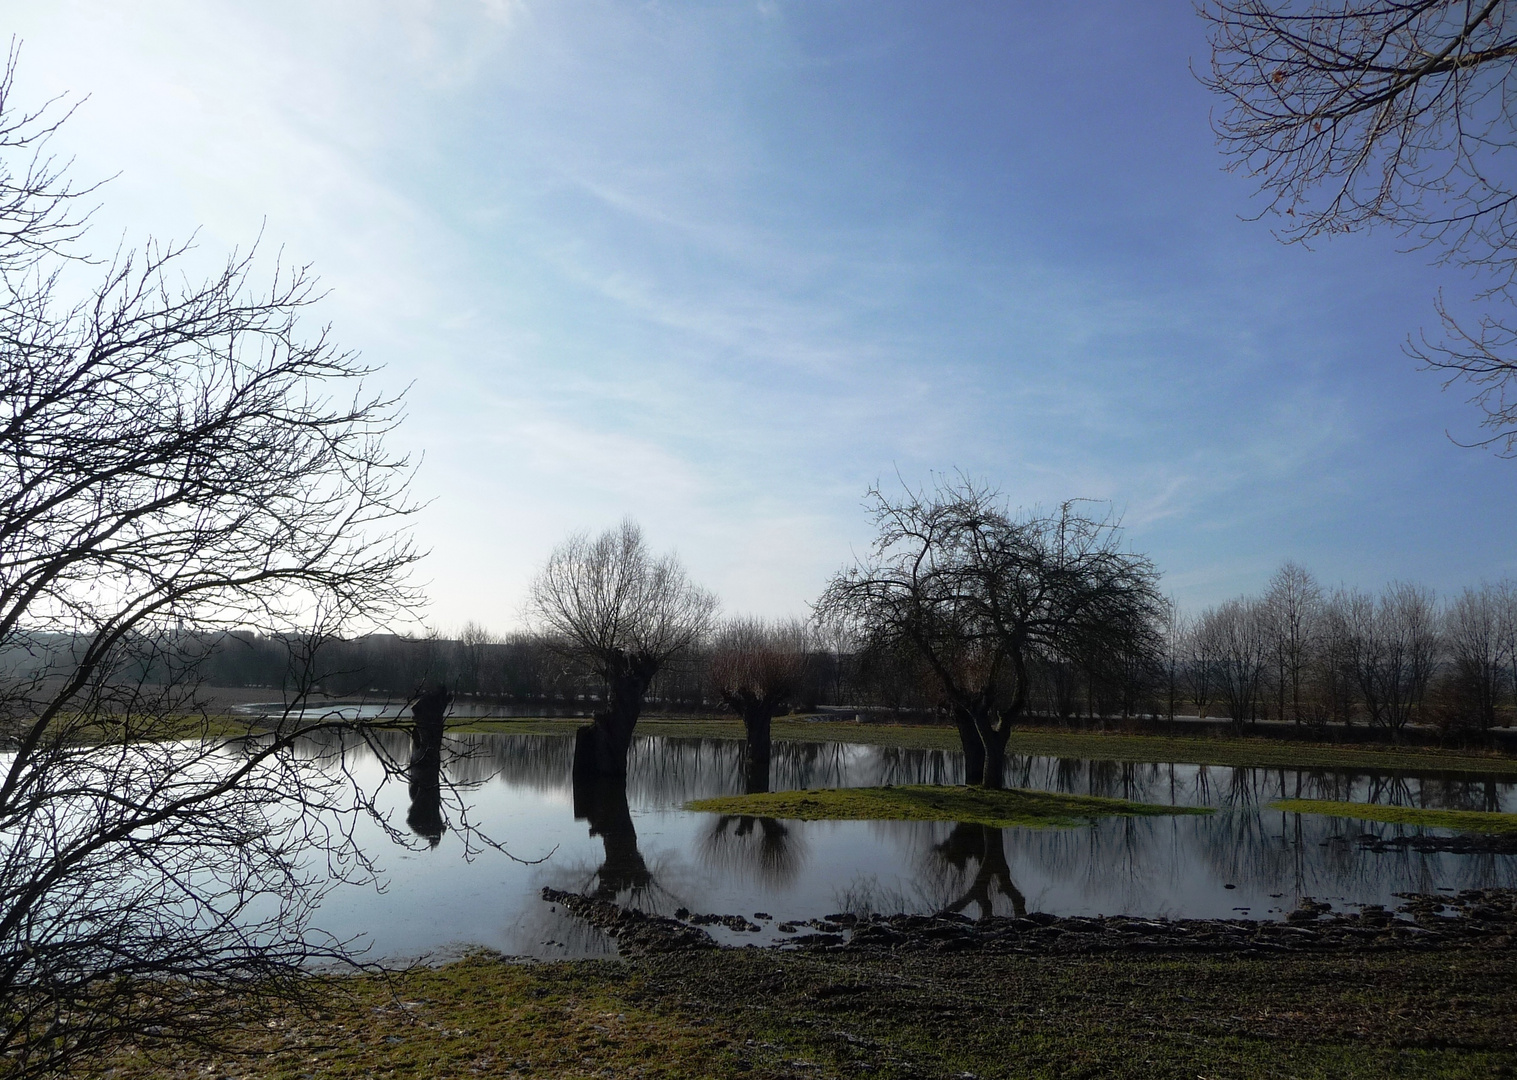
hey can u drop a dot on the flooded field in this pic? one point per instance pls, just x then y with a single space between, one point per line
637 846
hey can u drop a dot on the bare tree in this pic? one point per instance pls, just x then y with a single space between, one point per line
1237 639
1357 113
1366 645
978 594
840 646
1331 672
1201 665
471 653
621 614
1394 646
1472 633
1292 611
1176 632
1506 634
756 667
180 459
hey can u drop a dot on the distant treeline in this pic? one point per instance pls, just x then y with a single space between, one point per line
1297 653
527 670
1388 659
516 670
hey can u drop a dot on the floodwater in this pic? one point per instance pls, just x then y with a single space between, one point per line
640 848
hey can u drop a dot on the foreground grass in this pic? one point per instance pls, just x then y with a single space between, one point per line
927 802
1468 820
1094 745
758 1013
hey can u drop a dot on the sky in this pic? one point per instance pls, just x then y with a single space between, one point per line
722 267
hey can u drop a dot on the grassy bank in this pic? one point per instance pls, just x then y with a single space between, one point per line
923 802
763 1014
1096 746
1467 820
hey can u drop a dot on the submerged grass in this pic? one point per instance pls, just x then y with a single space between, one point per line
1092 745
759 1013
926 802
1480 821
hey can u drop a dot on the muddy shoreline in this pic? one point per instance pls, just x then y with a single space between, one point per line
1475 918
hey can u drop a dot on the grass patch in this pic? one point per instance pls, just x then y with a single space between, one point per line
756 1013
1092 745
1480 821
926 802
476 1017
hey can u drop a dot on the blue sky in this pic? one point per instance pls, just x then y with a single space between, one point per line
722 266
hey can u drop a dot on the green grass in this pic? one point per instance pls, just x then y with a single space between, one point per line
1092 745
1480 821
476 1017
924 802
760 1014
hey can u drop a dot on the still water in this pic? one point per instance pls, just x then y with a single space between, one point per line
1243 861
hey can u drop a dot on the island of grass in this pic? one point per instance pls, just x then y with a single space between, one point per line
1478 821
927 802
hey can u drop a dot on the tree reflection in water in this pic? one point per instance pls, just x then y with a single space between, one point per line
1155 865
761 848
772 853
424 817
424 774
986 848
602 801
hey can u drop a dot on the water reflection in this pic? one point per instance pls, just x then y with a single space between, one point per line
630 842
760 849
976 856
424 773
424 785
623 875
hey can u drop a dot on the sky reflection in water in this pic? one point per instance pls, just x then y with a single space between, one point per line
649 853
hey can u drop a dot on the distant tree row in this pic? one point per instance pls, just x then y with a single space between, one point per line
734 660
1305 654
964 612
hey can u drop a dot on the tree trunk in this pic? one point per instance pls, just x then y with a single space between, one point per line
428 716
974 748
604 749
995 740
984 748
756 723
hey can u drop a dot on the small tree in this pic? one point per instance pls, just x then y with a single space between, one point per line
755 668
472 652
979 594
620 614
1506 635
1330 670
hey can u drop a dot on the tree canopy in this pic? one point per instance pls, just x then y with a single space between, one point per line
980 593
